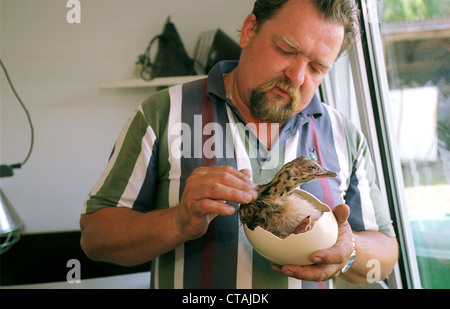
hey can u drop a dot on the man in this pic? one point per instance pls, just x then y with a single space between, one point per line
178 185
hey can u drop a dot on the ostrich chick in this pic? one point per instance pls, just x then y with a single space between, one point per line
277 208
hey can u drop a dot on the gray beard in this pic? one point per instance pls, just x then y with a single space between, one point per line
264 110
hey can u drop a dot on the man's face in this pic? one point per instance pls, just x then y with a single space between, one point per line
284 60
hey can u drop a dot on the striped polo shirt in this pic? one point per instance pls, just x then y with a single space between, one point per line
194 124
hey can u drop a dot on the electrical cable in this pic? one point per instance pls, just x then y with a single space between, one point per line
19 165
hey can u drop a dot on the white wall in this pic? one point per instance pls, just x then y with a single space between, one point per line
56 67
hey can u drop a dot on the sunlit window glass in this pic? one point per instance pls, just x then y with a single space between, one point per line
416 42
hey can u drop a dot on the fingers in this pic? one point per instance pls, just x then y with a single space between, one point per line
212 208
246 172
328 263
205 195
340 252
316 273
221 183
223 191
209 188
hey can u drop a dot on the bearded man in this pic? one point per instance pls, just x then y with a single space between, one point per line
152 203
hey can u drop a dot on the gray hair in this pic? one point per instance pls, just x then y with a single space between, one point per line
344 12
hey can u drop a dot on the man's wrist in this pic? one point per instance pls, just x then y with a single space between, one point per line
352 257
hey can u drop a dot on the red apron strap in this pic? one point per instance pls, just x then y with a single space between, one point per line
324 183
208 238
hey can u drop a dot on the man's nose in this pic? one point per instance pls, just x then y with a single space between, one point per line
296 73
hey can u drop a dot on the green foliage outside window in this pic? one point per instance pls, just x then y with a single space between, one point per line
415 10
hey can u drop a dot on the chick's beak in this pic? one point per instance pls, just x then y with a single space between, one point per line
326 173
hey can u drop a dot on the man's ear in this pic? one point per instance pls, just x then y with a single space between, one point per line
248 30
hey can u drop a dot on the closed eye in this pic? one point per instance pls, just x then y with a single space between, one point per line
284 51
315 69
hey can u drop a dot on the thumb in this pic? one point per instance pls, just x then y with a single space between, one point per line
341 212
334 255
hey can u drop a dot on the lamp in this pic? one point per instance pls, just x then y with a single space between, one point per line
10 223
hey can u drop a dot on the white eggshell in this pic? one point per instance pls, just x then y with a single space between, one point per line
296 249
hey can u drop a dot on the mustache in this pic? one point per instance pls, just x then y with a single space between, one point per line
274 113
284 84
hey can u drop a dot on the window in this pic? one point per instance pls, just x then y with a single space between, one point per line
407 64
416 47
395 87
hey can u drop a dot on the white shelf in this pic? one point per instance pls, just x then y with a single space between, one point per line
156 82
129 281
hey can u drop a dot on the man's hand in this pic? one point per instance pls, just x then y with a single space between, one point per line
128 237
205 195
328 263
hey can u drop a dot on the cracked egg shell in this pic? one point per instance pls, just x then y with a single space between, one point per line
296 249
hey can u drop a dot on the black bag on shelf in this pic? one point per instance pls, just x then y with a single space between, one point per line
171 58
214 46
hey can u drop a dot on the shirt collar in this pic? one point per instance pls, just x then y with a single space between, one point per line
216 85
